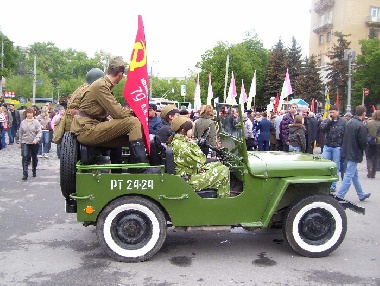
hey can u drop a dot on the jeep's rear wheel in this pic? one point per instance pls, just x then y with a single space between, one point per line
131 229
315 226
68 161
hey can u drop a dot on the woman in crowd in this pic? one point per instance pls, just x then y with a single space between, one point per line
29 135
190 161
201 125
5 124
45 121
297 139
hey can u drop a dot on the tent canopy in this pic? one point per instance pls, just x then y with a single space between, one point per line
299 101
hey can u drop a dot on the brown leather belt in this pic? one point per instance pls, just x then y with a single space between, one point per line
84 114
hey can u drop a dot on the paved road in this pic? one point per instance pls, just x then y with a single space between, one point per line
42 245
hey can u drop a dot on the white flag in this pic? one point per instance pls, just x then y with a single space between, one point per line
252 91
210 94
197 96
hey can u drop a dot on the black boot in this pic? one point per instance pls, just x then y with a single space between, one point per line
24 168
137 154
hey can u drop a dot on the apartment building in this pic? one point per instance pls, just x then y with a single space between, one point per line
355 17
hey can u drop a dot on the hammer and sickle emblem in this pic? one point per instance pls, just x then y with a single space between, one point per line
134 63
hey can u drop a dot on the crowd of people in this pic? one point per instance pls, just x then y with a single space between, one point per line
341 139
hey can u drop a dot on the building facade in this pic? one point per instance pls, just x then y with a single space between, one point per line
355 17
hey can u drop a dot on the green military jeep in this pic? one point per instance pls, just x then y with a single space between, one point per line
132 211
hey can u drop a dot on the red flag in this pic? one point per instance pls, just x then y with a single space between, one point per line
137 82
312 105
276 104
337 99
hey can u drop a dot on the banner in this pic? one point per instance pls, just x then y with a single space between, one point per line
137 82
327 105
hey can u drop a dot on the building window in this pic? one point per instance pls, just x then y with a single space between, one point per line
328 38
321 40
374 12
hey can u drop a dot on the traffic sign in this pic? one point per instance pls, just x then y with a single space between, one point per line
366 91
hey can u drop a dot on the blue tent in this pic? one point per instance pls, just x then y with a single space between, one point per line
299 101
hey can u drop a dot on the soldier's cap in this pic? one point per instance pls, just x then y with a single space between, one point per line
152 106
178 121
167 109
116 62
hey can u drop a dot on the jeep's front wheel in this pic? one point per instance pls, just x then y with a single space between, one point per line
131 229
315 226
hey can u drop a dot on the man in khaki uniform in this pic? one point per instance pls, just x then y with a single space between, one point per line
91 124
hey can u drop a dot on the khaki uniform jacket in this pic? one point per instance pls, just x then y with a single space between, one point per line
90 125
201 124
98 101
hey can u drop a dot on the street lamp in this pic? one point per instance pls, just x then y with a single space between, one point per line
151 80
350 56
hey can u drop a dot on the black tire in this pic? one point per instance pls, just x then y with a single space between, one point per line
131 229
315 226
68 161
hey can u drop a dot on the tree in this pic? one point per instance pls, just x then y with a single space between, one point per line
275 73
367 73
244 59
309 83
294 65
338 68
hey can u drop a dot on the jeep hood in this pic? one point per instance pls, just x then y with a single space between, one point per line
281 164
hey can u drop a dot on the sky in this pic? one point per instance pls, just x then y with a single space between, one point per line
177 32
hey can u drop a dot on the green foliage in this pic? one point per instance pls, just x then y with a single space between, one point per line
294 66
245 58
338 67
308 83
275 73
367 73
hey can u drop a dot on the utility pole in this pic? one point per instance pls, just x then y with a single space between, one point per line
34 78
350 56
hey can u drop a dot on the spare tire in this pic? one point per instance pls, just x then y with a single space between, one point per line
68 161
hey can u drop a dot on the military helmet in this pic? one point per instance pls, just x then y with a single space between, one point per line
93 75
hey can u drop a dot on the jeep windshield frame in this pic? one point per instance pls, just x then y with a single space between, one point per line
231 130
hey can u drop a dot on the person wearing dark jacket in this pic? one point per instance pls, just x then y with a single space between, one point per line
155 122
265 127
333 128
354 144
311 129
284 125
297 139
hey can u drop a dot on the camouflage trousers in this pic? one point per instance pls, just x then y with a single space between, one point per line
212 176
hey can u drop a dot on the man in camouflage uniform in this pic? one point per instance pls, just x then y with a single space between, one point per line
190 162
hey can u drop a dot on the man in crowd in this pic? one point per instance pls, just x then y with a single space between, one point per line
284 126
311 126
354 144
333 128
155 121
277 121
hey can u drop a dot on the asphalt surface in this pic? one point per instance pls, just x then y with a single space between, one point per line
40 244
